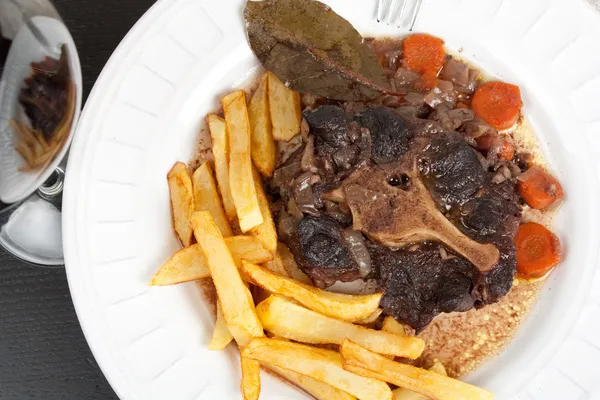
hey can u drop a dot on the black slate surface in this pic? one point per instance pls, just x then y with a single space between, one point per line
43 354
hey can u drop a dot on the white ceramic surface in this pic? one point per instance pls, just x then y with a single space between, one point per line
146 111
16 185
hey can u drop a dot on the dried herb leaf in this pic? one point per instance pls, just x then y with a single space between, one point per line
314 50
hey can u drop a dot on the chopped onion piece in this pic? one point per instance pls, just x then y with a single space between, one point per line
359 251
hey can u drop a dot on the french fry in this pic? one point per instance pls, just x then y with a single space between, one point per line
276 265
236 301
393 326
285 108
182 201
207 198
241 181
405 394
289 320
220 149
247 248
190 263
341 306
221 336
250 379
289 263
323 365
315 388
371 318
266 231
264 154
439 368
363 362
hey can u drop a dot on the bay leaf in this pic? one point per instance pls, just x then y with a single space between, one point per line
314 50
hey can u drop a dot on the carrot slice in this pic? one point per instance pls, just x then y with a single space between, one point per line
538 188
538 250
498 103
423 53
507 151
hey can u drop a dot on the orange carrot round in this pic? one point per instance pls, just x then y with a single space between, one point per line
498 103
538 250
538 188
423 53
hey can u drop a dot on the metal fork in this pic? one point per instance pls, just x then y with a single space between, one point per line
382 9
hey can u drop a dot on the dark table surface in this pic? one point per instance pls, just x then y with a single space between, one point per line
43 354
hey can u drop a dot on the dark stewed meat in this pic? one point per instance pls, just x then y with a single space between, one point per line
329 125
322 252
390 133
418 284
452 170
45 96
439 230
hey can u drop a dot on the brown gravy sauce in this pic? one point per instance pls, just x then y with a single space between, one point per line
460 341
463 341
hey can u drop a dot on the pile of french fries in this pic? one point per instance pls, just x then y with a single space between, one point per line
298 317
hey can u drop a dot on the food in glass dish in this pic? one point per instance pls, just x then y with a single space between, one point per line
48 101
395 206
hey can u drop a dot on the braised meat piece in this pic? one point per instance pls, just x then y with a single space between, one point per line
396 216
390 133
419 283
329 125
452 170
322 252
437 228
45 94
493 216
493 213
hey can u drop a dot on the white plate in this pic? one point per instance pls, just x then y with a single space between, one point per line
146 111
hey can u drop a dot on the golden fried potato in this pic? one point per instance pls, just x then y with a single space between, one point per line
320 364
285 107
266 231
363 362
220 150
286 319
393 326
190 263
264 154
439 368
221 336
289 263
241 181
341 306
315 388
371 318
247 248
236 301
250 379
405 394
207 198
182 201
276 265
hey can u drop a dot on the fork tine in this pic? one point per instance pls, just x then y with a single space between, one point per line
380 7
415 14
391 11
401 14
